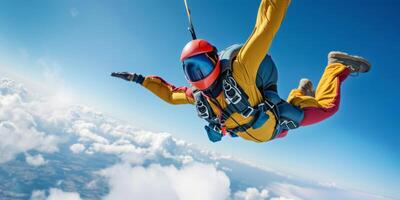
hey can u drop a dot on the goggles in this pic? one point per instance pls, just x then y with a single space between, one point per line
198 67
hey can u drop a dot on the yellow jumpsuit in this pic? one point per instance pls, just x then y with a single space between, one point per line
244 70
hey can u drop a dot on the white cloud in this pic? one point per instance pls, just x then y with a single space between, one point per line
195 181
328 184
54 194
38 195
293 191
37 160
200 181
57 194
18 126
91 185
251 194
86 132
77 148
114 148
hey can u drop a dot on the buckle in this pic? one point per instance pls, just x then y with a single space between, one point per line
268 104
235 99
246 113
232 98
262 107
286 123
216 129
202 114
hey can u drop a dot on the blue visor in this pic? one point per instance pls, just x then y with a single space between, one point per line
198 67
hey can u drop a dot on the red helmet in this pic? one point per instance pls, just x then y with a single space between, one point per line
200 63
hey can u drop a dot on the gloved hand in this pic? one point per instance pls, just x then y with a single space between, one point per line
137 78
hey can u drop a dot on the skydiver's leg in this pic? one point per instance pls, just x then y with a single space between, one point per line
327 97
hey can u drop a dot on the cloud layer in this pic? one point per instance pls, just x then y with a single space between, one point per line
132 163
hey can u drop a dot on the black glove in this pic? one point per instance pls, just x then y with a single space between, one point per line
137 78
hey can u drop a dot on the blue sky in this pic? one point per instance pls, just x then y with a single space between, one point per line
77 44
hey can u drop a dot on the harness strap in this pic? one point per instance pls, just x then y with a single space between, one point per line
204 109
261 108
236 98
224 116
287 116
237 103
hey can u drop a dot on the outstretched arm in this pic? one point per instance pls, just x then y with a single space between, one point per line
168 92
269 18
159 87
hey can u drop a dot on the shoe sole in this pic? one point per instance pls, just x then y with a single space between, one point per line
339 54
306 87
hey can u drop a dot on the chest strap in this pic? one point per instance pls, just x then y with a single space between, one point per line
236 99
260 117
237 102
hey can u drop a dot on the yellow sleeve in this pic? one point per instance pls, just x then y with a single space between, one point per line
168 92
269 18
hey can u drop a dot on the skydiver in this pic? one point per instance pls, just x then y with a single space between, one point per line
235 90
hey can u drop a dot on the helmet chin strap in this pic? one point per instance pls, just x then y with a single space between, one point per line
215 89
